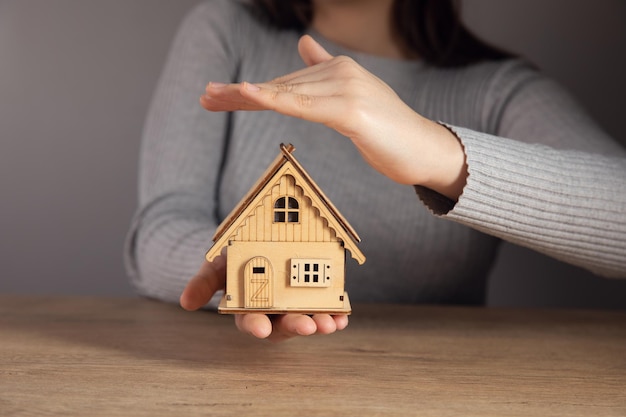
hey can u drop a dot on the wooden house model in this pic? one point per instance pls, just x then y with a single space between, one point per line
285 246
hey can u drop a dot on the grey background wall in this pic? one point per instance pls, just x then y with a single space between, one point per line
76 78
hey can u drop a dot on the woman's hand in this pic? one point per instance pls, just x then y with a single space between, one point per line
342 95
212 277
200 289
280 327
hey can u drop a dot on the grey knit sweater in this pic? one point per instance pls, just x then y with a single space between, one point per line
541 173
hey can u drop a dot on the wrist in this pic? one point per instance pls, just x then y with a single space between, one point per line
447 167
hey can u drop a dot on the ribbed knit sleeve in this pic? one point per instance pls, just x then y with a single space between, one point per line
181 153
565 203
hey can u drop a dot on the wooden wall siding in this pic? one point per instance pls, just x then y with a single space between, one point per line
260 226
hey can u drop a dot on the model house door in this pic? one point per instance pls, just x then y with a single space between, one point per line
258 283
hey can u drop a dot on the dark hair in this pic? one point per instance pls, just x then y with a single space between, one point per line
429 29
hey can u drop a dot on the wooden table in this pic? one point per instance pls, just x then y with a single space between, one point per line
84 356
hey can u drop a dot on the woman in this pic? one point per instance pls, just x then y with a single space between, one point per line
513 158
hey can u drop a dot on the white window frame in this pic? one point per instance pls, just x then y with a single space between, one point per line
310 272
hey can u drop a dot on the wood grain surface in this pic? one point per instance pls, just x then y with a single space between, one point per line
81 356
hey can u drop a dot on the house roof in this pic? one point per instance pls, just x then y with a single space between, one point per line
346 232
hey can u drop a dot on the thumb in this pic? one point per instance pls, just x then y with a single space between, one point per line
311 52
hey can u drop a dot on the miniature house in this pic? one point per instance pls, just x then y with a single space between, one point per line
286 246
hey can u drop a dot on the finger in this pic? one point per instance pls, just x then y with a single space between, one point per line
223 97
199 290
291 325
216 104
313 78
315 57
341 321
255 324
311 52
318 72
316 84
319 109
325 323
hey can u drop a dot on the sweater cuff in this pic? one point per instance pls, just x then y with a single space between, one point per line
494 165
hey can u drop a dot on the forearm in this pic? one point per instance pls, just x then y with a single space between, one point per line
181 153
166 246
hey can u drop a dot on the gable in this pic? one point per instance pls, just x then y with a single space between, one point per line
253 218
258 222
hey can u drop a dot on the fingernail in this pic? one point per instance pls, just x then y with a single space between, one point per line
252 87
217 85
